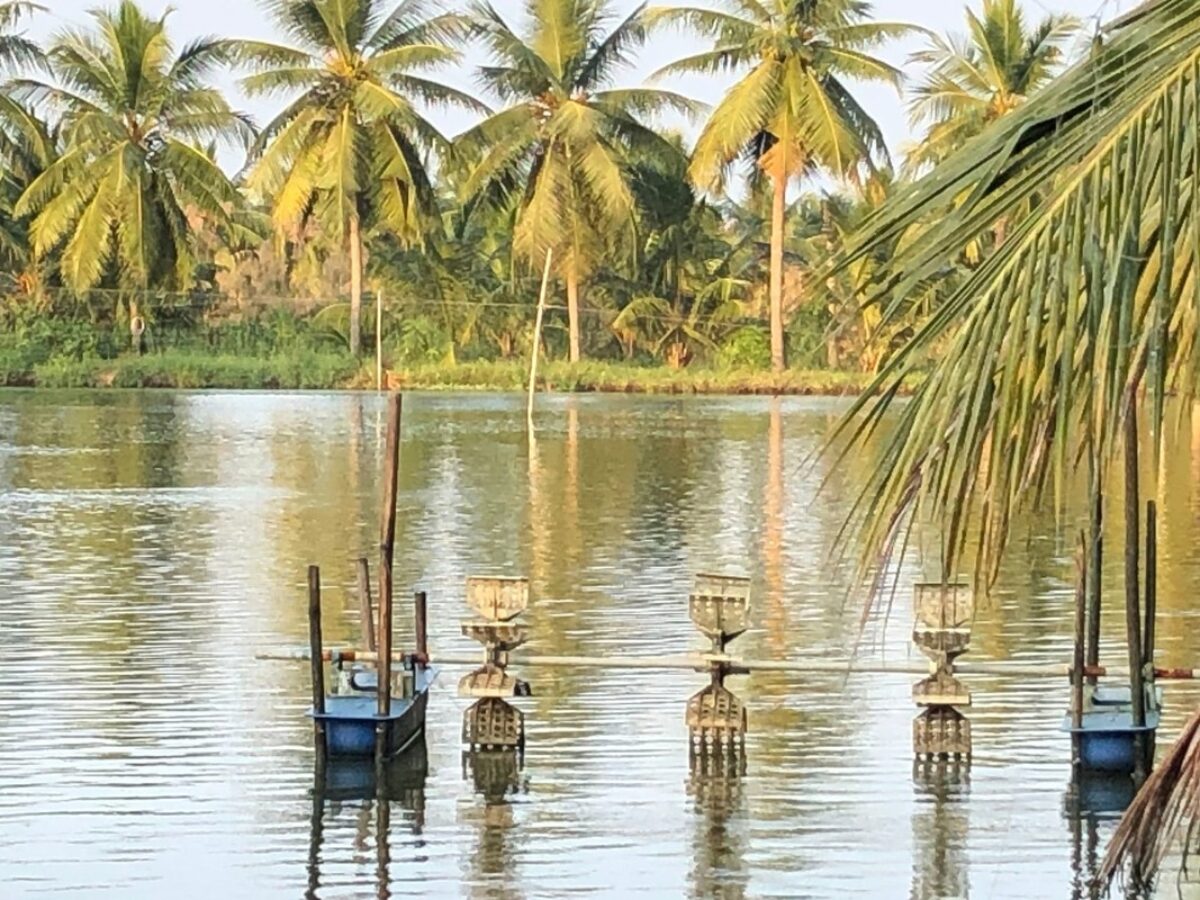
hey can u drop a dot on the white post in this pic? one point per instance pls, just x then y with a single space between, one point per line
537 337
379 340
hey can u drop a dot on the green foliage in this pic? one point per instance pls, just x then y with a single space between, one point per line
746 348
419 340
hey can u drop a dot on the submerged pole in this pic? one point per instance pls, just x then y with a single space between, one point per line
387 540
1133 624
318 664
537 338
366 611
1077 673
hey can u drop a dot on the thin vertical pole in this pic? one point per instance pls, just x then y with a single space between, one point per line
379 340
1133 624
1095 583
421 626
1081 584
366 611
537 337
1148 635
316 655
387 540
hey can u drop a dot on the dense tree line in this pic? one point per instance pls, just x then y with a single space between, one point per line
111 189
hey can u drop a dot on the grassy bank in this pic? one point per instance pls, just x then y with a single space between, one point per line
623 378
311 369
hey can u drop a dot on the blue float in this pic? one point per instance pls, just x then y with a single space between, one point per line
351 719
1107 734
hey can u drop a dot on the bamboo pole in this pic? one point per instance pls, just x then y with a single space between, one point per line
366 609
1077 675
1133 624
387 539
703 662
379 340
537 338
316 657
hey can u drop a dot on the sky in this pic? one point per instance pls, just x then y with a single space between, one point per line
244 18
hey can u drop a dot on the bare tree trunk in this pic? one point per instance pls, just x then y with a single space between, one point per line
135 326
573 312
356 286
778 207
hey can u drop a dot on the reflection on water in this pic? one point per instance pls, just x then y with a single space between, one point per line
717 790
941 789
151 543
356 790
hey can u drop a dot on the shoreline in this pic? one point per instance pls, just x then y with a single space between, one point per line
176 370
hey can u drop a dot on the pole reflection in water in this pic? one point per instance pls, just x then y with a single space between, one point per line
940 826
716 788
357 790
497 777
1093 799
775 619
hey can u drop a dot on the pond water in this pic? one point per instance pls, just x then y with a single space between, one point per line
152 543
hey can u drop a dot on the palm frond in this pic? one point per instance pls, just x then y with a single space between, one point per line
1030 361
1164 815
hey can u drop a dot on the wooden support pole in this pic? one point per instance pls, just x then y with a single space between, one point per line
1077 675
1151 614
537 338
387 540
1096 567
1133 618
421 626
366 609
379 340
1148 634
315 655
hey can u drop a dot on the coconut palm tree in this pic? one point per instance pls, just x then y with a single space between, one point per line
352 147
118 205
791 111
28 146
16 50
25 142
566 138
976 78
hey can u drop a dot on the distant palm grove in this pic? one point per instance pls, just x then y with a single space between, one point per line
671 232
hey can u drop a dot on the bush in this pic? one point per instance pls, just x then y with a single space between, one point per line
747 348
419 341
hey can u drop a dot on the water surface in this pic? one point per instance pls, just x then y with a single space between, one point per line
152 543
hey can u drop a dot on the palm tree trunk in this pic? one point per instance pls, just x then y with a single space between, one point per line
778 207
573 312
356 286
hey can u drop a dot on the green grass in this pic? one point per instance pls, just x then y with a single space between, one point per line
625 378
315 369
